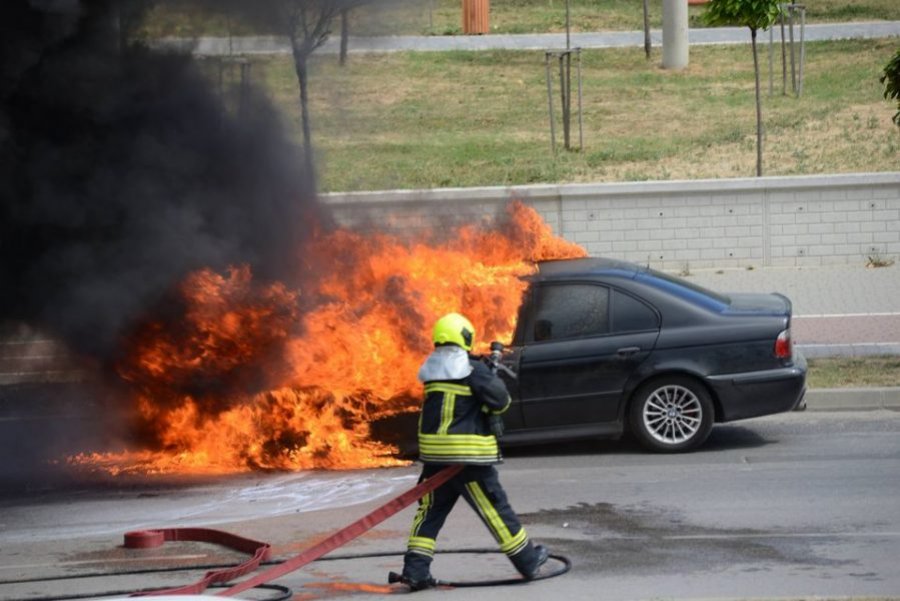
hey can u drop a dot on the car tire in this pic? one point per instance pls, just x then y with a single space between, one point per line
671 414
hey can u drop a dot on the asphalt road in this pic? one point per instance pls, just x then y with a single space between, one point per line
785 506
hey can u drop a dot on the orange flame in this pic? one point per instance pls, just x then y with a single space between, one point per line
353 359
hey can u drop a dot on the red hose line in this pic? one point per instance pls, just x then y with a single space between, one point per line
348 533
151 538
260 551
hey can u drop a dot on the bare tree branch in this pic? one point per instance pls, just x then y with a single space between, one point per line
307 24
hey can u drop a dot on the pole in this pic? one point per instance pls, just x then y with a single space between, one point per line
675 34
759 132
580 121
566 84
771 59
647 45
802 49
783 51
564 98
791 33
550 104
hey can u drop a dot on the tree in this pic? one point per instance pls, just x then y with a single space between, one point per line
755 14
647 28
891 81
345 35
307 25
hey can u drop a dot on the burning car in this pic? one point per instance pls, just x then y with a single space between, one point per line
602 347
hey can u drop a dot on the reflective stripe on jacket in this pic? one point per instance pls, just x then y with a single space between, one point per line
453 424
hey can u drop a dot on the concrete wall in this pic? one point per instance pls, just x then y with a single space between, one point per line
769 221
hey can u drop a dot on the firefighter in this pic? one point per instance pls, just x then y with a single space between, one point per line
461 393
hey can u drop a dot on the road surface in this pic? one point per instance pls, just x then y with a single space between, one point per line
801 504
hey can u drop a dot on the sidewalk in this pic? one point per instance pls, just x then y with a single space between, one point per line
841 310
845 310
223 46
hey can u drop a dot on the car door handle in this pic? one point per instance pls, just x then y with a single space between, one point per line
627 351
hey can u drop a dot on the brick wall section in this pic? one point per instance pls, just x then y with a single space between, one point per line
29 357
779 221
769 221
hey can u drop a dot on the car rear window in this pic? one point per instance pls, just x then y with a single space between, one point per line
632 315
684 289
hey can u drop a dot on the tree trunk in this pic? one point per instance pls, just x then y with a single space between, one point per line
759 126
300 68
647 28
345 33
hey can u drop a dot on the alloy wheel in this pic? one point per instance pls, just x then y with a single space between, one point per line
672 414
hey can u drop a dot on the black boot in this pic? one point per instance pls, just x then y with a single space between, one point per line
541 557
416 572
529 560
418 585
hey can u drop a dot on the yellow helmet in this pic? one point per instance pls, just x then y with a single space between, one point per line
453 328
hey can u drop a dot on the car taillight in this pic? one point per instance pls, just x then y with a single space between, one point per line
783 345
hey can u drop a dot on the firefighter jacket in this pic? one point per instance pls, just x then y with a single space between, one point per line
460 393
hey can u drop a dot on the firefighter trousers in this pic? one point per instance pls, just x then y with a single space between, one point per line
480 486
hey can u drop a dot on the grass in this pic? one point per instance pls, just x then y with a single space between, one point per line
444 17
539 16
422 120
854 372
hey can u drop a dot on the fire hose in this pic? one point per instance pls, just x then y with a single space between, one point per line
260 551
283 593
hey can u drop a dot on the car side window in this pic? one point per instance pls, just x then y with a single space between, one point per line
631 315
570 311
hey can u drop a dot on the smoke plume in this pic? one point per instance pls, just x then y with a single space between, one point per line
120 173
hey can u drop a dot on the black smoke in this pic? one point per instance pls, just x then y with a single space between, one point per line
121 172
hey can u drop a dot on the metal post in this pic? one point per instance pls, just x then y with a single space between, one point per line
564 98
550 103
797 63
783 51
565 94
580 121
569 94
802 49
771 59
567 84
675 34
791 33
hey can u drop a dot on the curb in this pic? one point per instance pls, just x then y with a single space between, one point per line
850 349
853 399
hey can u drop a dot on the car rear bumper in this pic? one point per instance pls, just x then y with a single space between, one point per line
757 393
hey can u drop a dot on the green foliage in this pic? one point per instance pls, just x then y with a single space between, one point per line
891 81
755 14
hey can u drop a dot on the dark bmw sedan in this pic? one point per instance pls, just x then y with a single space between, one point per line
603 347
